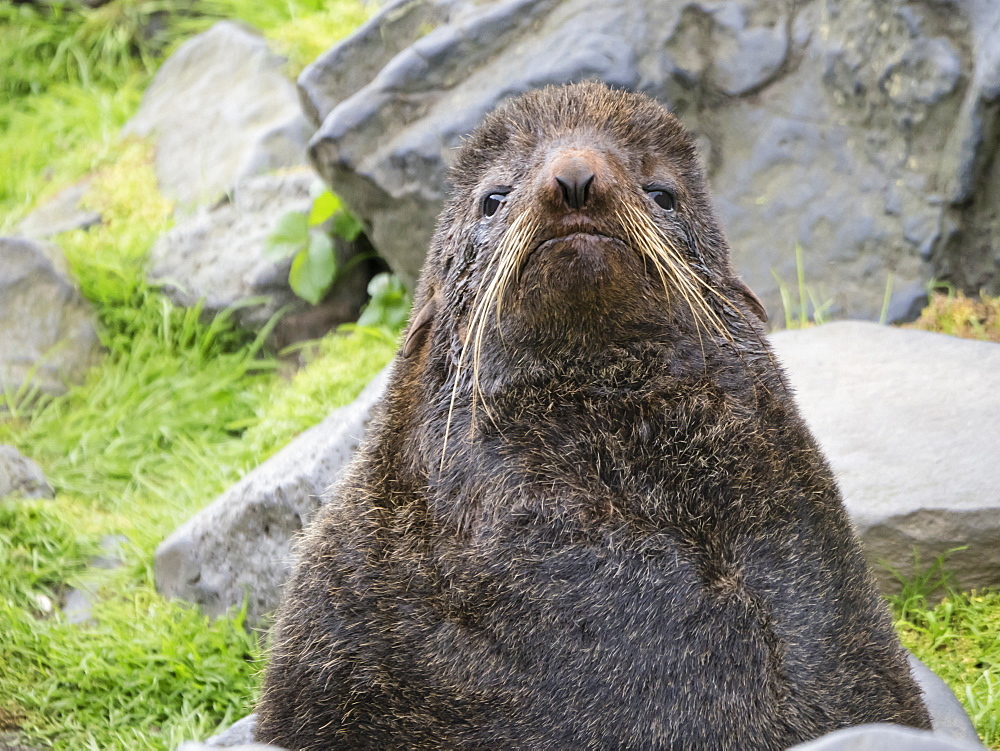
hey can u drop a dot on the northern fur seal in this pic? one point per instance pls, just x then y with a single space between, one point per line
588 514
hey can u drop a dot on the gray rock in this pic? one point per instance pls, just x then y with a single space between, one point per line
217 255
862 131
48 334
219 110
12 741
883 737
910 422
21 476
78 603
61 213
240 732
948 716
907 419
239 545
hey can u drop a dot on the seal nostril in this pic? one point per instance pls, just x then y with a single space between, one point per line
574 180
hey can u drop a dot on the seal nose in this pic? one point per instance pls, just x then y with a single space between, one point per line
574 177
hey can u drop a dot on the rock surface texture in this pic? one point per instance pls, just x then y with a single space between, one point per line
882 737
219 110
239 733
21 476
47 328
948 716
218 255
61 213
239 545
910 422
862 131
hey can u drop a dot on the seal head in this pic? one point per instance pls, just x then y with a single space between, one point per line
587 514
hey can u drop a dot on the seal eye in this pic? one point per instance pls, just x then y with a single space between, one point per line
662 198
494 200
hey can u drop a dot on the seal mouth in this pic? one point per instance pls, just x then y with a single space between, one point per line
575 236
579 241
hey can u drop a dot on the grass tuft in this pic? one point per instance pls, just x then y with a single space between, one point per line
39 550
51 140
805 311
179 408
958 637
304 36
148 673
336 370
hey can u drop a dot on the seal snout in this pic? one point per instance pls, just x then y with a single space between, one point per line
572 175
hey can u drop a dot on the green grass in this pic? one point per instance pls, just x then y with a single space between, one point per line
803 309
147 674
179 408
70 77
958 636
178 411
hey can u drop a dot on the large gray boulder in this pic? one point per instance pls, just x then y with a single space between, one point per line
879 737
217 256
861 130
48 335
910 422
219 110
883 737
240 545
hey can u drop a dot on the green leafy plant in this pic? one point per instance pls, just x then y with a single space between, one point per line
389 305
307 239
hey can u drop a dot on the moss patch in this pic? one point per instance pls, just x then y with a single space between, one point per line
953 313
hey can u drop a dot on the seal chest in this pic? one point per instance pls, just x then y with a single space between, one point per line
587 513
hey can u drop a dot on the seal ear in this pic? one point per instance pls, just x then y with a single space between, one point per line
420 326
751 299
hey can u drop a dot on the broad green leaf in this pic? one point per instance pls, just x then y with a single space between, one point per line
290 236
298 278
313 269
322 261
379 285
325 206
347 226
389 305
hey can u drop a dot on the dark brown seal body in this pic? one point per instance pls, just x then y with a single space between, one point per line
588 514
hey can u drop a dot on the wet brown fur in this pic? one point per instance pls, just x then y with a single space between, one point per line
587 514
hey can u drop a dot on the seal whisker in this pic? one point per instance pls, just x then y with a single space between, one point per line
671 266
490 294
